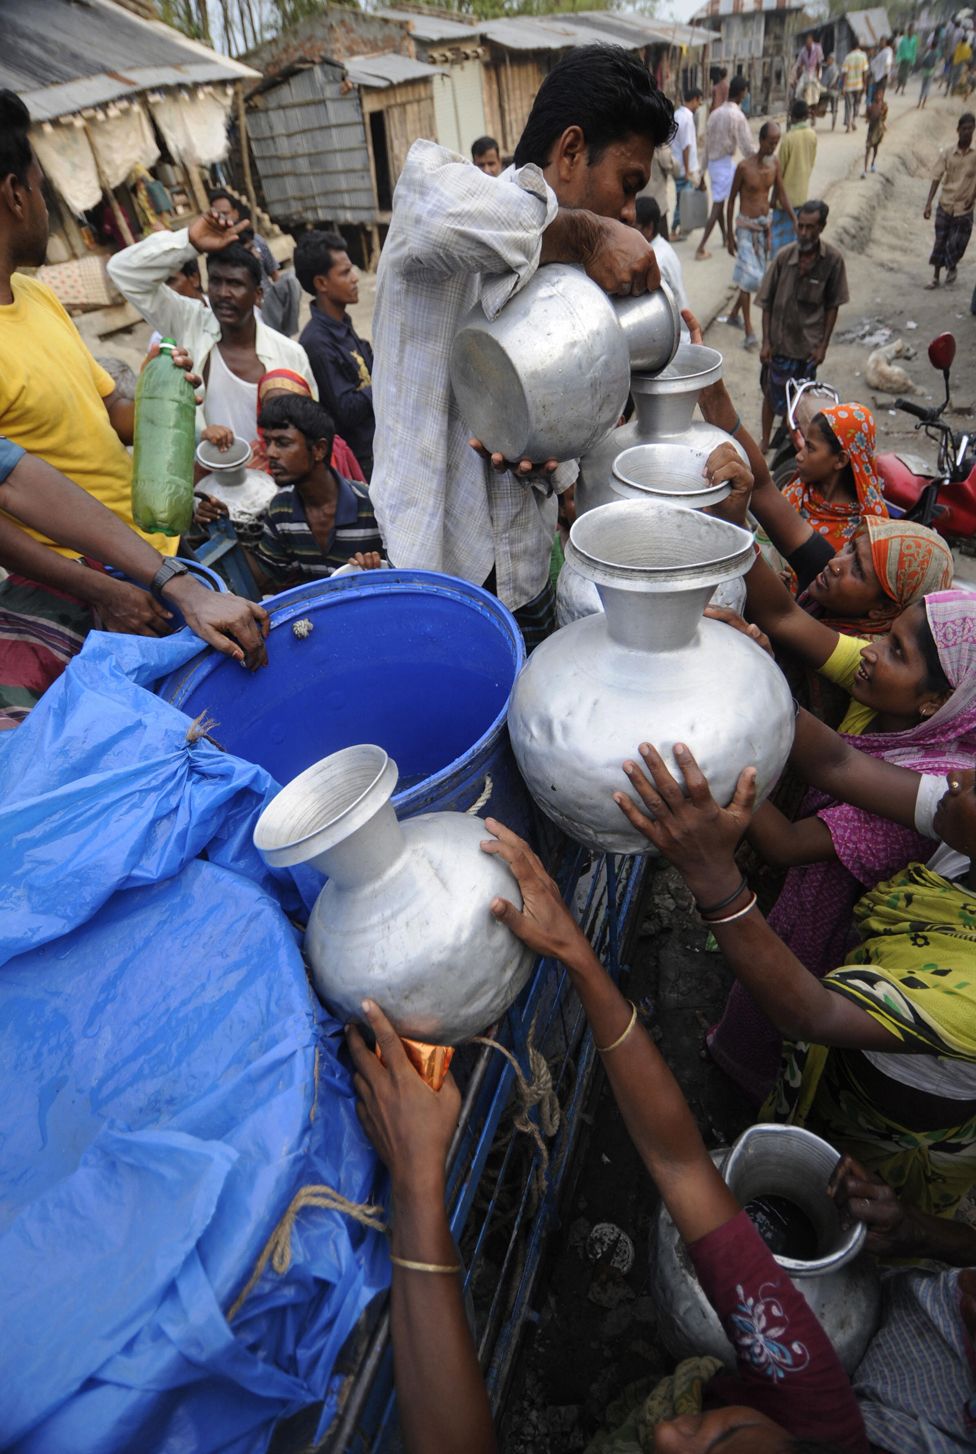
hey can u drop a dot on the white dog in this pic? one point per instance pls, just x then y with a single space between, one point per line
882 373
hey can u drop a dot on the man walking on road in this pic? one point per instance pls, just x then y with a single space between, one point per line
684 149
804 286
726 133
905 58
797 156
854 69
956 171
748 240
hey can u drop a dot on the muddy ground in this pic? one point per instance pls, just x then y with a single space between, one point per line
596 1331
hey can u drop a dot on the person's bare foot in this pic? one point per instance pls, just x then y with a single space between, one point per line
701 255
951 276
929 286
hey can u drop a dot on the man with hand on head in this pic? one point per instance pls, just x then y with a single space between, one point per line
460 239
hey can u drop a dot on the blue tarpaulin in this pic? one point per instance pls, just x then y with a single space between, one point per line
168 1083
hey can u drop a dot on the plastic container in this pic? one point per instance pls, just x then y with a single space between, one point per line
420 663
165 437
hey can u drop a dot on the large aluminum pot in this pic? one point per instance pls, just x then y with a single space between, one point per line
577 596
404 917
649 668
839 1281
679 444
549 375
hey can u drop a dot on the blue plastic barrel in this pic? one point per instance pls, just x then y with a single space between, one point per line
420 663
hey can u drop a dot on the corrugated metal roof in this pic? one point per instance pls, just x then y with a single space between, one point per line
745 7
633 29
61 56
388 69
544 32
870 26
430 27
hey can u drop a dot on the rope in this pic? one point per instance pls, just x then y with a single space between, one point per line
482 797
277 1249
201 727
539 1093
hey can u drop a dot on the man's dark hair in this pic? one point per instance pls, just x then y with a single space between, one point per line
649 215
966 116
15 149
738 86
221 194
482 145
315 255
606 93
191 268
716 74
799 111
692 93
766 128
293 411
821 208
235 255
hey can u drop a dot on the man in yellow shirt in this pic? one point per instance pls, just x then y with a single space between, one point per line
59 409
797 155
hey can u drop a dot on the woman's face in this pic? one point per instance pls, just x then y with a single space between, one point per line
955 817
893 672
816 462
848 585
726 1431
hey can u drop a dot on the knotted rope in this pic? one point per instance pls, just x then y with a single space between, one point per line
539 1092
277 1249
200 729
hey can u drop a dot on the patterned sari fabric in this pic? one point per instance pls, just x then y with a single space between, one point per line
910 562
915 973
813 914
839 520
41 629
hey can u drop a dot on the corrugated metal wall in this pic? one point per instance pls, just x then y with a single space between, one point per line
309 146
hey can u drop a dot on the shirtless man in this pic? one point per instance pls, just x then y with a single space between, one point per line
748 242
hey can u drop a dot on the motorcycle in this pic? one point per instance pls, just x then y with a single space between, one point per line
946 501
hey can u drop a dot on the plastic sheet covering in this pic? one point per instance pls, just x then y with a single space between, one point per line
68 161
168 1083
195 127
122 142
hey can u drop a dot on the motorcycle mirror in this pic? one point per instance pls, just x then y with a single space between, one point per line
942 351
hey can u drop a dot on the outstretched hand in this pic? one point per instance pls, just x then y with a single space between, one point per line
864 1197
725 466
409 1124
544 922
693 833
739 623
523 469
214 231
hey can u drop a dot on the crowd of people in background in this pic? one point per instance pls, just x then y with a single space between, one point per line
854 1010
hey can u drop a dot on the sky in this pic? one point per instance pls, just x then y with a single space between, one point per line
679 9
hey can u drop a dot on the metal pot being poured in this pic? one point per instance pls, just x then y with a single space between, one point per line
648 668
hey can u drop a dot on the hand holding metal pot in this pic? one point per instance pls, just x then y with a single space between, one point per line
726 466
544 922
525 469
693 833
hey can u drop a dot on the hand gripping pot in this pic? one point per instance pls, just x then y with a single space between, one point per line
404 917
649 668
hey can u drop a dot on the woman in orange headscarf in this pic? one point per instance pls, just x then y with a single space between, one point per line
886 567
836 486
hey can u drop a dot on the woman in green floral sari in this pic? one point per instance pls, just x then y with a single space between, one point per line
883 1063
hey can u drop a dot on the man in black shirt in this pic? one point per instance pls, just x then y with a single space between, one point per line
342 362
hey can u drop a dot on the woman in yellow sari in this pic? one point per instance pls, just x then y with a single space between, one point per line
884 1060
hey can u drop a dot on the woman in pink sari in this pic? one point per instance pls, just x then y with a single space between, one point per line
913 703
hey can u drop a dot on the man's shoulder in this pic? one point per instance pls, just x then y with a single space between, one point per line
831 253
36 294
281 507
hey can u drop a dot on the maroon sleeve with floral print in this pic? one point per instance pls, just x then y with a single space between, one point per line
788 1369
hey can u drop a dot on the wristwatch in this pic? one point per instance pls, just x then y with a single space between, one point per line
167 572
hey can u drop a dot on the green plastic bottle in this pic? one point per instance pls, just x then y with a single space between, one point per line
165 439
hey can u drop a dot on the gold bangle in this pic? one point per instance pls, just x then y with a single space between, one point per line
605 1049
424 1266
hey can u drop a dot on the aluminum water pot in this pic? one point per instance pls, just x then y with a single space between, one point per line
647 669
404 917
676 444
839 1281
549 374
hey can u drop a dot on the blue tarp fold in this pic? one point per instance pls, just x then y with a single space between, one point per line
159 1047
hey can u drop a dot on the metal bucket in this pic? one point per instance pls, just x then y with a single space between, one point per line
420 663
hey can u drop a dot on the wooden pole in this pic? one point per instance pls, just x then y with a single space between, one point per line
113 202
245 151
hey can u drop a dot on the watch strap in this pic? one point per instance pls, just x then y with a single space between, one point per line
167 572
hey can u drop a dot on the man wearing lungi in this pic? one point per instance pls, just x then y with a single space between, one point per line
804 286
749 240
956 171
726 133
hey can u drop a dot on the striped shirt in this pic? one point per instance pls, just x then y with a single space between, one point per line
288 551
